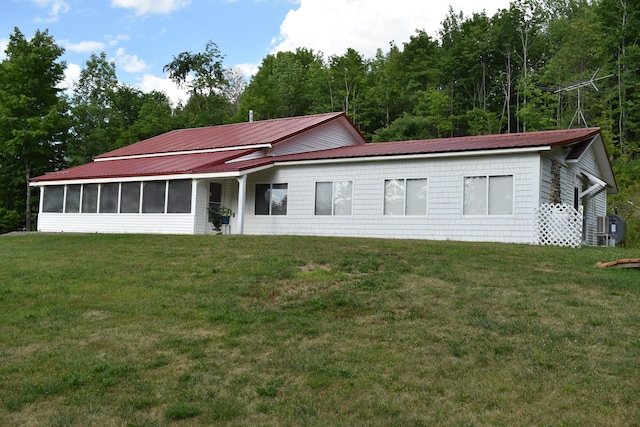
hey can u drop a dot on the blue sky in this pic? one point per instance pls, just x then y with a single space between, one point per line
141 36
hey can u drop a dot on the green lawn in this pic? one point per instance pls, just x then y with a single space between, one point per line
247 330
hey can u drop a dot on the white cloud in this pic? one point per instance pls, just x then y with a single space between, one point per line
56 7
248 70
150 7
84 46
130 63
114 40
150 83
3 46
71 76
332 26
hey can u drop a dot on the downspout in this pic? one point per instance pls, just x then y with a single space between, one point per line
194 205
40 205
242 196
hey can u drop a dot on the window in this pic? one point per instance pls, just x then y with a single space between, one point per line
153 194
130 197
215 196
90 198
72 198
405 196
333 198
271 199
109 197
179 199
488 195
53 198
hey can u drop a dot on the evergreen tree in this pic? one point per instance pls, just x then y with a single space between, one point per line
33 120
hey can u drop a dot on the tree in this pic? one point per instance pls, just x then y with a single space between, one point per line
434 107
287 84
154 116
620 21
235 84
346 82
140 115
201 72
385 92
407 127
205 77
33 119
93 118
575 53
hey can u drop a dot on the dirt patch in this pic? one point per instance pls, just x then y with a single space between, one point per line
311 266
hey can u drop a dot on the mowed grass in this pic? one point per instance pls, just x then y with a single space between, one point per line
253 330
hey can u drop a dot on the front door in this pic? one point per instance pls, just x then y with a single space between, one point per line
215 201
215 196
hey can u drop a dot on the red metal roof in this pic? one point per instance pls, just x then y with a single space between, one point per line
243 134
147 166
225 136
452 145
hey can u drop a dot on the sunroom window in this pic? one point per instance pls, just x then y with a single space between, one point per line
109 197
153 194
179 199
90 198
53 198
130 197
72 198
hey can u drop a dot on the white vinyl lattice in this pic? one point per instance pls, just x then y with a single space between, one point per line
558 225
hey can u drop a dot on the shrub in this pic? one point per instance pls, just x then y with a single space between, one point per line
9 220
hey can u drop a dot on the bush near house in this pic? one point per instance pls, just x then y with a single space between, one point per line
9 220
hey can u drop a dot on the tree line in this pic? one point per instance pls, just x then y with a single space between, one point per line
537 65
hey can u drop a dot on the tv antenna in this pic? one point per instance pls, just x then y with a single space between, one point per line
591 82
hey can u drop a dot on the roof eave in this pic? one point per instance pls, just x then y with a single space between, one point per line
399 156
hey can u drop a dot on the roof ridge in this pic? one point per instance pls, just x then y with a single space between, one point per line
500 135
263 121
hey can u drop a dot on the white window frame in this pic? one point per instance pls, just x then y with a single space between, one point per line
333 198
270 201
404 197
487 194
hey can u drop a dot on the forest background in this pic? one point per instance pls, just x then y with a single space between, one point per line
538 65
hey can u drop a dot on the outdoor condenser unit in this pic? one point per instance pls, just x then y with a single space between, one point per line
602 229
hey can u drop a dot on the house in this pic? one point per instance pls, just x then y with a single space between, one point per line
316 175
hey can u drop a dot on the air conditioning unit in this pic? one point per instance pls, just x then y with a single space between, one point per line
602 225
602 229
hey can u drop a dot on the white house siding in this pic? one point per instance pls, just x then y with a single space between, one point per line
545 179
201 215
116 223
596 202
571 177
444 219
330 135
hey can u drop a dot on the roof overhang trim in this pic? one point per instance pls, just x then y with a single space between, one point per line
578 150
136 179
414 156
177 153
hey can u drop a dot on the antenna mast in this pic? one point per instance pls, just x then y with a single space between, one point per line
591 82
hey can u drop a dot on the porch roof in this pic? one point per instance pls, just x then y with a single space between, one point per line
146 166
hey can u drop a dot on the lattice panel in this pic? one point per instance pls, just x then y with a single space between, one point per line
558 225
